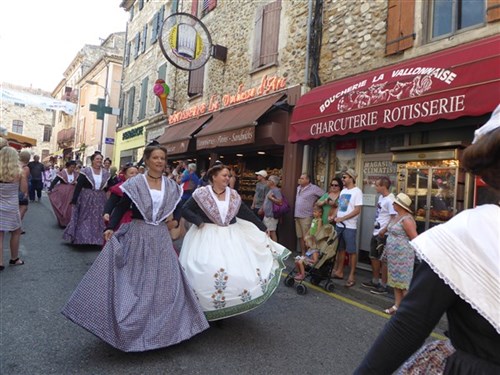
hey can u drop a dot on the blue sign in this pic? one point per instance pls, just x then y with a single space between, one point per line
109 141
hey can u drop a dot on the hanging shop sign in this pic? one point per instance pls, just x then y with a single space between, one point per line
132 133
460 81
268 85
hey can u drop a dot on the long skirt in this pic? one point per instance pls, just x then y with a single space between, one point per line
86 226
232 269
135 296
60 199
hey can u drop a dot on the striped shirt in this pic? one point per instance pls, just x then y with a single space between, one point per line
305 199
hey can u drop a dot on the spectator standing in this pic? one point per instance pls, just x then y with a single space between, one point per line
37 177
330 200
261 190
12 180
350 203
400 254
272 197
306 197
189 182
106 164
385 211
24 158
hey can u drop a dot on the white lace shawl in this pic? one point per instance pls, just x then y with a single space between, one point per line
465 254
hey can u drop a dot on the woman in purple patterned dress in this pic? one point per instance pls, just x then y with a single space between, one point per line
86 224
136 296
12 180
61 191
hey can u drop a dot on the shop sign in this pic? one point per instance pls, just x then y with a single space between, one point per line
448 84
228 138
268 85
132 133
379 168
177 147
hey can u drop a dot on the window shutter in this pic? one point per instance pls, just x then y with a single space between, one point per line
131 99
400 26
141 4
258 38
194 8
211 5
154 27
162 73
144 98
127 54
493 10
270 33
144 38
196 81
175 6
137 45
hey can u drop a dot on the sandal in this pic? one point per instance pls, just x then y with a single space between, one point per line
391 311
16 262
350 283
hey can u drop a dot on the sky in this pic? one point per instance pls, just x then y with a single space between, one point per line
39 39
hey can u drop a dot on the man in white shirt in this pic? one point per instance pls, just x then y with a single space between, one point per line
350 203
385 211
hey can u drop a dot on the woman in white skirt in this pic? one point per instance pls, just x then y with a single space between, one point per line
229 260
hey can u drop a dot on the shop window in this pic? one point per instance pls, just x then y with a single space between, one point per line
450 17
382 144
47 133
400 26
196 78
144 98
267 27
17 126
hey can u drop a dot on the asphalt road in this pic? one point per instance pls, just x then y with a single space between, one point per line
317 333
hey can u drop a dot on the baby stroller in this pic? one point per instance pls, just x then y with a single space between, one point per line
327 242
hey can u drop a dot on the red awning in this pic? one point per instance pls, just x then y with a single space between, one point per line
460 81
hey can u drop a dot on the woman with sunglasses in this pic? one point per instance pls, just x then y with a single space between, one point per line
330 200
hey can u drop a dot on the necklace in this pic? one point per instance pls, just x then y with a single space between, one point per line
222 192
153 177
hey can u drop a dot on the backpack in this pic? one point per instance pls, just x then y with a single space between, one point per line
281 209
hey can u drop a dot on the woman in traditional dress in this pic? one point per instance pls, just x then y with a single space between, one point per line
86 224
398 253
12 180
232 265
460 276
135 296
61 192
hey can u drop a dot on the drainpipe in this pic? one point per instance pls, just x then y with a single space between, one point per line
305 156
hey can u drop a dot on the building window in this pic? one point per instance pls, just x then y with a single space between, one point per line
448 17
200 8
137 45
17 126
47 133
267 27
156 24
19 104
130 111
196 78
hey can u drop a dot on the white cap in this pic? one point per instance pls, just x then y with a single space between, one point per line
262 173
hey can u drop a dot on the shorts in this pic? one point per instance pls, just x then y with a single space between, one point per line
22 200
377 245
302 225
271 223
347 240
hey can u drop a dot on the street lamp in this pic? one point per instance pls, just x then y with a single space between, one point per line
106 96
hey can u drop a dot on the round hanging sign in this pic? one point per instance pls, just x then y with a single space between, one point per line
185 41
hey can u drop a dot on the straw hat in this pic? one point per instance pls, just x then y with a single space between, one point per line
403 201
351 172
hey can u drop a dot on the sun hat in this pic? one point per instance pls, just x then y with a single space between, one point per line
351 172
262 173
403 201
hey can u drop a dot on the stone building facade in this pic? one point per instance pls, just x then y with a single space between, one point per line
28 120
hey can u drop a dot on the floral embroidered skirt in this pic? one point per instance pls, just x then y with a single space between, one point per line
232 269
